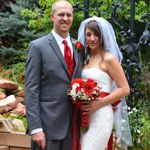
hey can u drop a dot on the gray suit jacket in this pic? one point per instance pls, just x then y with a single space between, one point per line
46 83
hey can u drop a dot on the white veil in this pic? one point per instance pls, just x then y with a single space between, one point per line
120 117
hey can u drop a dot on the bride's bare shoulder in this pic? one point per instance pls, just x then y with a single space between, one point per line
108 57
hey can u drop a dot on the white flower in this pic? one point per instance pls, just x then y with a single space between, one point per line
129 108
138 131
130 112
134 109
85 97
139 141
75 86
72 92
94 92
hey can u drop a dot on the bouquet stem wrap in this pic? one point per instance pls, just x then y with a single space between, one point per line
84 116
84 121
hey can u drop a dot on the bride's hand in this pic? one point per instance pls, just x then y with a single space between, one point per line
86 106
92 106
97 104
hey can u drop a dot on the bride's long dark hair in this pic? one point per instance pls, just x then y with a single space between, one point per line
95 28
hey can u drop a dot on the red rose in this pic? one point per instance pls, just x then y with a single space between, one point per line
79 46
77 80
88 87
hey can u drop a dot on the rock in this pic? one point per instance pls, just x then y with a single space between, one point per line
19 99
8 85
10 92
18 125
20 93
2 95
20 109
6 125
8 104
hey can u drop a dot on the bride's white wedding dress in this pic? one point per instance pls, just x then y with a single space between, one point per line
100 121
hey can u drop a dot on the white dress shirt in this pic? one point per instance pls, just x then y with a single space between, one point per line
59 41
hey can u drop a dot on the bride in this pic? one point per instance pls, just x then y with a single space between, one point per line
97 35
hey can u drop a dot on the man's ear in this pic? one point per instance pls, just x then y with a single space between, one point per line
52 17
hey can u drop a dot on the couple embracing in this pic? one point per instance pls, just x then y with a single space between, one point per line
52 63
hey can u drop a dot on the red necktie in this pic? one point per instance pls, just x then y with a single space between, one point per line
68 58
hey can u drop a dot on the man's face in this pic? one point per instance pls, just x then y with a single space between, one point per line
62 18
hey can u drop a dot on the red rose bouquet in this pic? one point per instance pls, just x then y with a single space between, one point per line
84 91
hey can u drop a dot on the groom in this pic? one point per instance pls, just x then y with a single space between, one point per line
50 66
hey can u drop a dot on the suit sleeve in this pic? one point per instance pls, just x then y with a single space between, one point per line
32 87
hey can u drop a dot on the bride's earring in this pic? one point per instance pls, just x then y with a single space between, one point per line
87 46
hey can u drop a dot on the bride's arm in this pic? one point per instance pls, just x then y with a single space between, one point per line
116 72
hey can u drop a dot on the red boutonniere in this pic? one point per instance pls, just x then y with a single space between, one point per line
79 46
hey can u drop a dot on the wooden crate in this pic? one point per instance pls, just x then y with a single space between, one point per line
13 141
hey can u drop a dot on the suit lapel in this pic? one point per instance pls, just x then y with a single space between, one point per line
54 46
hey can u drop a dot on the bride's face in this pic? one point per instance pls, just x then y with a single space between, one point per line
92 40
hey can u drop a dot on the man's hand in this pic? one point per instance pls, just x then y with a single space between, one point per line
39 138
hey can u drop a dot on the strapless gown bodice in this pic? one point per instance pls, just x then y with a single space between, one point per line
100 121
100 76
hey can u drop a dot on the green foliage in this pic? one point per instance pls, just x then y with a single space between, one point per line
13 55
144 59
139 117
140 9
15 72
145 132
40 16
15 34
46 3
140 127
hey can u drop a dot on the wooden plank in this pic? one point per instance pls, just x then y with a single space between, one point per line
16 140
18 148
4 148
